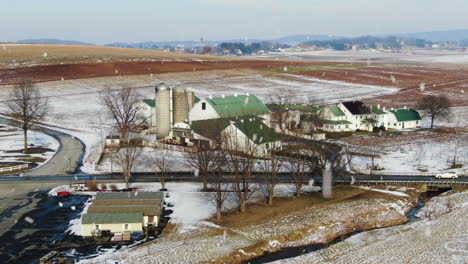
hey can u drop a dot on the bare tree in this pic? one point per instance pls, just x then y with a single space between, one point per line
240 152
123 105
203 157
218 183
271 166
280 101
163 162
298 163
127 155
435 107
26 104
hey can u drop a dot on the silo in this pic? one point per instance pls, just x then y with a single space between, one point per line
181 105
163 110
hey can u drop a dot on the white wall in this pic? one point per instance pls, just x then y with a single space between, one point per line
198 114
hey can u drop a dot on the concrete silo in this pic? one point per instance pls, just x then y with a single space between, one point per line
164 117
181 104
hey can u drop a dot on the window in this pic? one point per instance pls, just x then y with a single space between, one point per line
347 126
126 226
96 227
203 106
394 124
417 122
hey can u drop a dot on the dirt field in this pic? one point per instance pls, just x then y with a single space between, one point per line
414 81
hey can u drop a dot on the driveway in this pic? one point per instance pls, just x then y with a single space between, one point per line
68 156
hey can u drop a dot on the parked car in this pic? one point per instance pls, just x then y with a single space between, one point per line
447 175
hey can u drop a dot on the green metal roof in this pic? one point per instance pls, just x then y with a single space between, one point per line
376 110
337 122
253 127
150 102
235 106
408 114
256 130
196 99
335 110
112 218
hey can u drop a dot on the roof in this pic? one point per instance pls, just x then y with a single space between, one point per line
130 196
148 210
112 218
196 99
150 102
335 110
337 122
127 202
235 106
377 110
357 107
210 128
253 127
256 130
408 114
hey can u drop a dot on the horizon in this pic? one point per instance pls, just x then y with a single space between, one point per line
214 20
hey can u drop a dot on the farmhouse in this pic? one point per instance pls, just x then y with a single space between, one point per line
148 113
120 212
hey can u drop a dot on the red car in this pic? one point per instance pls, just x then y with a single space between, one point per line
63 194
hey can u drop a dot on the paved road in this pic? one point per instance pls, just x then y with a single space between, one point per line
68 156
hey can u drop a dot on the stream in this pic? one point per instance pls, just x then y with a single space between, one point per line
291 252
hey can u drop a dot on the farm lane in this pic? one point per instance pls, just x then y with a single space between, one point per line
67 158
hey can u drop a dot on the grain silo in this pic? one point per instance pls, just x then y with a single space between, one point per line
163 110
181 104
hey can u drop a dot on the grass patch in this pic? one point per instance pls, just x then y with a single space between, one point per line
298 69
256 213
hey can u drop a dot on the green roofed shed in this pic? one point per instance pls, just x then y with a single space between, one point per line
256 130
403 115
236 106
112 218
337 122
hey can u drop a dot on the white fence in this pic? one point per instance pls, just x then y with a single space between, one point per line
14 168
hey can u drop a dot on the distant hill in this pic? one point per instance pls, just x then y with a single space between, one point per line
53 41
437 36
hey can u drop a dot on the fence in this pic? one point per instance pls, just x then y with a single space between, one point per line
14 168
172 147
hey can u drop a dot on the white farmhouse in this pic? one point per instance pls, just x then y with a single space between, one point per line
148 113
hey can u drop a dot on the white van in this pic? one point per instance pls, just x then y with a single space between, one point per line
447 175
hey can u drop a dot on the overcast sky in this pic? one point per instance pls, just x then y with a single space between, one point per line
105 21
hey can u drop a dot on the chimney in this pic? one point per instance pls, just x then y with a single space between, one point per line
247 94
404 107
383 108
378 106
235 94
222 96
211 97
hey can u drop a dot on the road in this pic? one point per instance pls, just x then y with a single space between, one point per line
69 154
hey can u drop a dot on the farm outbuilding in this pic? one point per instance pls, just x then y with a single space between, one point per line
93 224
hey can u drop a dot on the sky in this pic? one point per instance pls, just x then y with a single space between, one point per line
106 21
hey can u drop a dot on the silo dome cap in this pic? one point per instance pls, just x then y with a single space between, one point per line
162 86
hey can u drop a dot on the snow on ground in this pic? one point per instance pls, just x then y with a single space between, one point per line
442 239
406 153
11 138
385 191
74 226
414 55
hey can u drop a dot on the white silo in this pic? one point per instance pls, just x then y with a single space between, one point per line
181 104
163 110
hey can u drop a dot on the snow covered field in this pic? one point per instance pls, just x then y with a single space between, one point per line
406 153
371 56
442 239
11 138
76 108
